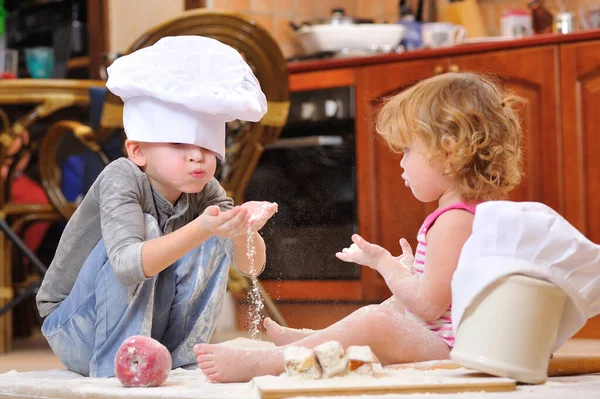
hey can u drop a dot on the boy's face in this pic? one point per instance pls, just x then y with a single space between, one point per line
177 168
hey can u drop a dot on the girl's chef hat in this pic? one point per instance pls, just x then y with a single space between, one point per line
531 239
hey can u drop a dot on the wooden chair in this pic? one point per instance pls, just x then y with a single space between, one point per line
45 97
245 140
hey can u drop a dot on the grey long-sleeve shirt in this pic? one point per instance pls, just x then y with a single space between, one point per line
113 210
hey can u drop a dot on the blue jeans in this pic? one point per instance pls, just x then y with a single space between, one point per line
178 307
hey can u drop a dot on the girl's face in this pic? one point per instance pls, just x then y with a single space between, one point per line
178 168
426 181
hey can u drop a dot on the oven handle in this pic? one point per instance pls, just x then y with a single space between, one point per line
303 142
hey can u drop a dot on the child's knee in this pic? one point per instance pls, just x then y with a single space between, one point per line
374 316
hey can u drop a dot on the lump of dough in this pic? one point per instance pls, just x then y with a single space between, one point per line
301 362
332 358
360 360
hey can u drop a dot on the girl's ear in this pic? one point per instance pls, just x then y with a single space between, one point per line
135 152
448 144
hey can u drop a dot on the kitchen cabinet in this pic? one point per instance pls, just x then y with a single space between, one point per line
531 74
387 209
558 79
580 96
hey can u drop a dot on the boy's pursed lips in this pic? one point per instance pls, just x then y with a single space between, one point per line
198 173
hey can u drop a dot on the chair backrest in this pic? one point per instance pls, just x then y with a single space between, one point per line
245 140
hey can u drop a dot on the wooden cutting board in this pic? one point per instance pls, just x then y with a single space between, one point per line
560 365
441 381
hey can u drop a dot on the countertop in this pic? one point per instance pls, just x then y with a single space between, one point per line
479 47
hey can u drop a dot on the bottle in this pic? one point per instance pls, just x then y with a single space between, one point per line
77 31
3 15
542 19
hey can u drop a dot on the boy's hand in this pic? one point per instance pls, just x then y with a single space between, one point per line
226 224
363 253
260 212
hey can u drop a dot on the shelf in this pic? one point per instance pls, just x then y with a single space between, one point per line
78 62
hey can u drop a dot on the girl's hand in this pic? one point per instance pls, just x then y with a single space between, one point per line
363 253
260 212
407 259
228 224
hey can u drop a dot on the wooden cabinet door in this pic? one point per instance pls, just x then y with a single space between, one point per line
387 210
580 94
532 74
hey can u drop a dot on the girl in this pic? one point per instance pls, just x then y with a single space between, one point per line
460 138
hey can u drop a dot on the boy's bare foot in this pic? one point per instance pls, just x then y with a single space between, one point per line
228 364
284 335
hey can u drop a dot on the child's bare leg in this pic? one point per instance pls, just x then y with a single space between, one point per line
392 337
284 335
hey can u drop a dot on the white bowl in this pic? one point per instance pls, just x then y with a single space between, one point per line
510 329
350 37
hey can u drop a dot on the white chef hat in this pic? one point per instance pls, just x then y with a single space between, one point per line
531 239
183 89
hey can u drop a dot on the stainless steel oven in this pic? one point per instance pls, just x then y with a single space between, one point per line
310 173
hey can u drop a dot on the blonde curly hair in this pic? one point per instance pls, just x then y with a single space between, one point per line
468 123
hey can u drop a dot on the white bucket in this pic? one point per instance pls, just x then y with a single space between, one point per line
510 329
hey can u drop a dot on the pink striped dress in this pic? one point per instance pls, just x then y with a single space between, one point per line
443 325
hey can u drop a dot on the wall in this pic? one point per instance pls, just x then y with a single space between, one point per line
492 9
128 19
275 15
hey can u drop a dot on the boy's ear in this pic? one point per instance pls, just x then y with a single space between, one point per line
135 152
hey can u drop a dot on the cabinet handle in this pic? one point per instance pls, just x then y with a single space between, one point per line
453 68
438 69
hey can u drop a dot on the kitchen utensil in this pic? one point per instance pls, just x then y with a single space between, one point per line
412 37
419 12
564 22
462 12
542 19
9 62
39 61
405 12
442 34
516 23
510 329
338 17
350 38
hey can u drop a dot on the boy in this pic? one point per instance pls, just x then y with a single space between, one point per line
148 249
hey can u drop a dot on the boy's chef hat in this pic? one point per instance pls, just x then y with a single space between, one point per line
531 239
183 89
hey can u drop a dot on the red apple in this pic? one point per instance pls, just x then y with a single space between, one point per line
142 362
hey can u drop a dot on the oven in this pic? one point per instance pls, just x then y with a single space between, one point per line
311 173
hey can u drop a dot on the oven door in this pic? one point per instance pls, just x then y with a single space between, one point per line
313 181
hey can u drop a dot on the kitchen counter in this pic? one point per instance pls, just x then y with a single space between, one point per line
297 67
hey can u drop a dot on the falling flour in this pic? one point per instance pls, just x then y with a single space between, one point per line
255 299
256 303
